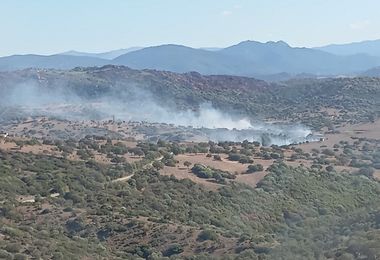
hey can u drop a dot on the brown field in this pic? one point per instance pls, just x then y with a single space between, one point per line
182 172
251 179
42 125
10 145
346 133
226 165
368 130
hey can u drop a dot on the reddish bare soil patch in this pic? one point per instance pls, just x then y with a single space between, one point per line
251 179
225 164
376 175
10 145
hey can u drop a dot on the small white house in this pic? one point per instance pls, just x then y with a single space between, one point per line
4 134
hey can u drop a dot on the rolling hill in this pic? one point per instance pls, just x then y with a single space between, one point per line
188 91
17 62
374 72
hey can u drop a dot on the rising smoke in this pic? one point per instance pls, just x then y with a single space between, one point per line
135 104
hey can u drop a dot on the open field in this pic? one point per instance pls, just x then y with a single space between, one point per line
33 144
345 133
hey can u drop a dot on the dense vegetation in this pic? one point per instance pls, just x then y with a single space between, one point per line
205 172
295 213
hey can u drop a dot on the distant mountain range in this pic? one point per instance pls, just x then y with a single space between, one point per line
104 55
271 60
371 48
57 61
248 58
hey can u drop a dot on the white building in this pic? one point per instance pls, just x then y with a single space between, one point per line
3 134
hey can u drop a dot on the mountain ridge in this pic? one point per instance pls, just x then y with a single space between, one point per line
108 55
247 58
370 47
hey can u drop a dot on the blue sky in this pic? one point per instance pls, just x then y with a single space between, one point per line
51 26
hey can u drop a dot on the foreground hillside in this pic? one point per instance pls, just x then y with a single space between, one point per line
106 195
58 208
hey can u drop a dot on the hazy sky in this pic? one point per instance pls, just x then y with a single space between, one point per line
50 26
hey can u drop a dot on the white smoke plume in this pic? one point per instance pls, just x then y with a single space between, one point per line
138 105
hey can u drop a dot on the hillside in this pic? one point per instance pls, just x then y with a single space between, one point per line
296 100
56 207
375 72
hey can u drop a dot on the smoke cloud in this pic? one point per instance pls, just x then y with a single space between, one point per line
135 104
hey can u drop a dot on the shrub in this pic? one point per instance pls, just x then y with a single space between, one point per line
173 250
217 157
5 255
20 257
366 171
234 157
328 152
13 247
170 162
207 235
187 164
245 159
205 172
202 171
158 165
255 168
275 156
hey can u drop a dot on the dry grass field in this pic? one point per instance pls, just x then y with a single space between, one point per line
41 126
